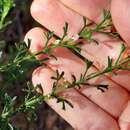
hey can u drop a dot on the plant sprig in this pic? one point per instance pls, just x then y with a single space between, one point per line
23 55
103 27
22 60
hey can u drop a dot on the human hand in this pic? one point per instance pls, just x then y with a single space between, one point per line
93 110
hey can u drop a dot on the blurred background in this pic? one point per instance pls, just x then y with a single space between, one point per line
46 119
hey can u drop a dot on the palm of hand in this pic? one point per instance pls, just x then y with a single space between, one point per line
92 110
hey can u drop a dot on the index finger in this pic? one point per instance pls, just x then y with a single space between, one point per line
92 9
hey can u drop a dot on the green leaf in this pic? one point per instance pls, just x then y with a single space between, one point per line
65 28
49 36
86 34
64 102
102 87
6 6
88 63
85 21
106 14
109 62
123 48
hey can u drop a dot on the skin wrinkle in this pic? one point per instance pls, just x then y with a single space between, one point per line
71 9
125 106
97 17
69 96
96 62
97 82
97 105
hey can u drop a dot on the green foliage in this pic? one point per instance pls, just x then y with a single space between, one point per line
21 60
103 27
7 111
5 7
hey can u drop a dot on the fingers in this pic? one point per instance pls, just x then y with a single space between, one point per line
83 108
72 65
91 9
107 46
101 56
53 15
37 43
110 47
120 10
124 120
